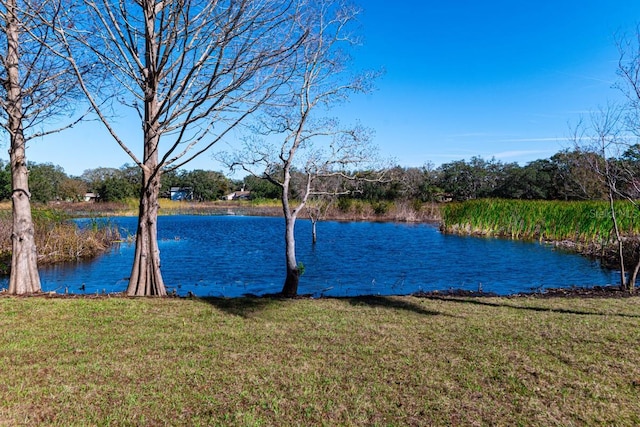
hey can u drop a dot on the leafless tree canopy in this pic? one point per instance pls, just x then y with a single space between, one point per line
48 92
295 130
190 70
37 92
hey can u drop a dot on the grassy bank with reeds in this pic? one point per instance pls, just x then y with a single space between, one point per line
585 223
371 361
342 210
57 238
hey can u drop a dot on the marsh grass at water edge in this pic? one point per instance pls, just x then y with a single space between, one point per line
582 222
58 238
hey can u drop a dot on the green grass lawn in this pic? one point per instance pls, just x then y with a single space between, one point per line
358 361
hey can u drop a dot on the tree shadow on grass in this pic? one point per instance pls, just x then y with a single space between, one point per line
474 301
251 305
391 303
244 307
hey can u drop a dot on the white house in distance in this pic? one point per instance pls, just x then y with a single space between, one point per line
181 193
238 195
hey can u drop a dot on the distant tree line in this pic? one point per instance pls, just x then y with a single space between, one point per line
49 182
567 175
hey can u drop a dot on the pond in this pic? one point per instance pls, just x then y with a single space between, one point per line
237 255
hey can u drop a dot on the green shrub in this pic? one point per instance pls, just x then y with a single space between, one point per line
380 207
344 204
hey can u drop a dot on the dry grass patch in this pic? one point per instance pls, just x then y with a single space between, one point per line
358 361
57 239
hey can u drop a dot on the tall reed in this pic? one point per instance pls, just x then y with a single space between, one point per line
57 238
583 222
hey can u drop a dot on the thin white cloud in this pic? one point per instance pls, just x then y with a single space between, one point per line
513 140
461 154
518 153
470 135
587 77
497 138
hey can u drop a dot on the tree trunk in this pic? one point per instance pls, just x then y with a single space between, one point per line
314 234
631 284
290 288
146 278
24 278
614 219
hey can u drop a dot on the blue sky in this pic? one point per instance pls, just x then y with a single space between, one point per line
499 79
491 78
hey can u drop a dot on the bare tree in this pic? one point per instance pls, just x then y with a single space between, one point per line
191 70
317 208
311 143
600 141
329 186
629 85
37 91
322 199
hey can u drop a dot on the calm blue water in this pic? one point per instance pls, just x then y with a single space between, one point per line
236 255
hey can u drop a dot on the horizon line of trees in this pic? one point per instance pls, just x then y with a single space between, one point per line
567 175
